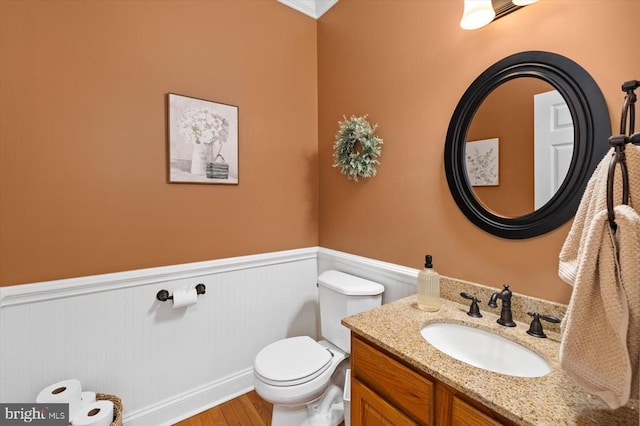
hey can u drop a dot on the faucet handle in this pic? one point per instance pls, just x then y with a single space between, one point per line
550 318
535 329
474 310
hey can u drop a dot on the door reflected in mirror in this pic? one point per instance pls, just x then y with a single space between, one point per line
531 136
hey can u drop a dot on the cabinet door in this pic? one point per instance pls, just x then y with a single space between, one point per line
369 409
463 414
402 387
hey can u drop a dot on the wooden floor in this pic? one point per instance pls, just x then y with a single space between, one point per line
246 410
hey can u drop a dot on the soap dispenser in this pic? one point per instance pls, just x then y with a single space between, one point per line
428 286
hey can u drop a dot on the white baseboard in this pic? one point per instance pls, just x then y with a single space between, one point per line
194 401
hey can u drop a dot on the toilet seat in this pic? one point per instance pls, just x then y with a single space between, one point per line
292 361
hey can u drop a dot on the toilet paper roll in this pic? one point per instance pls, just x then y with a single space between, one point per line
64 392
88 398
182 298
99 413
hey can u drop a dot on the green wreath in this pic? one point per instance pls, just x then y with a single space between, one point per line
356 148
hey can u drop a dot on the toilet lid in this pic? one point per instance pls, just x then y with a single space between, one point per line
292 361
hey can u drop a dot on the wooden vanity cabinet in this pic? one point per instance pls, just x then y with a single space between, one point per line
368 408
385 391
455 410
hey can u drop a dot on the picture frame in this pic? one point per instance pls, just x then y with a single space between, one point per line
203 141
482 162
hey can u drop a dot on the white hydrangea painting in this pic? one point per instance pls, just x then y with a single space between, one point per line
482 162
203 141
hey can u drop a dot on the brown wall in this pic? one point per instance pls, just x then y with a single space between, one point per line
83 175
507 114
83 130
406 64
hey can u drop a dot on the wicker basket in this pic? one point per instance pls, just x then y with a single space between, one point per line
218 169
117 407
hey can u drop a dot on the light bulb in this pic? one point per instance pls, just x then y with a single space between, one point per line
477 13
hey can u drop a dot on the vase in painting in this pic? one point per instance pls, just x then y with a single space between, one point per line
202 153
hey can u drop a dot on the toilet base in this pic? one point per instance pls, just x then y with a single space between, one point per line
328 410
289 416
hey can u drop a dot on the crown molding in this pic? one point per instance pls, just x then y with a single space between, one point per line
312 8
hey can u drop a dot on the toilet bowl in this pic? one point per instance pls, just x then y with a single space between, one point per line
295 374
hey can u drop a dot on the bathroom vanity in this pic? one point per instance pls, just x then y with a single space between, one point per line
383 389
399 378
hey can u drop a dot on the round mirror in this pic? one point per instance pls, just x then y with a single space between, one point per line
523 142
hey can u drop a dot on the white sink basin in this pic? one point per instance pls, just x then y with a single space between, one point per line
485 350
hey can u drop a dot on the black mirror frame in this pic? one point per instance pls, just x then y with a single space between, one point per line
592 128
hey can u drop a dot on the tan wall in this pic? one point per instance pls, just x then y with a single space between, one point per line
406 64
507 114
83 175
83 130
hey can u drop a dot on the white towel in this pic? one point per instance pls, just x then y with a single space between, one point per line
593 201
601 329
600 341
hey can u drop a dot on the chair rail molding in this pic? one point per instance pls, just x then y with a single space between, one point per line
57 289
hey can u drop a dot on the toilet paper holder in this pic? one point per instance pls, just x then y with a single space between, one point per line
163 295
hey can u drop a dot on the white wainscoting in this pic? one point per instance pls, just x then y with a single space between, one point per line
398 281
111 333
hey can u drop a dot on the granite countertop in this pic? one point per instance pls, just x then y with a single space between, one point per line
551 400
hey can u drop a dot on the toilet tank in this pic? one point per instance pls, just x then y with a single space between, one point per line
341 295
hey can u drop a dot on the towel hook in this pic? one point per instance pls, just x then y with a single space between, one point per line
618 144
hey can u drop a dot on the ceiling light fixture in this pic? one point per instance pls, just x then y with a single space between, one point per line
478 13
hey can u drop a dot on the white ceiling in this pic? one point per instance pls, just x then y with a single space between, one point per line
313 8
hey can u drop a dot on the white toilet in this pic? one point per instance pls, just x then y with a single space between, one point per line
295 374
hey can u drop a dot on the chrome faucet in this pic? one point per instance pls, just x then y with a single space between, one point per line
506 317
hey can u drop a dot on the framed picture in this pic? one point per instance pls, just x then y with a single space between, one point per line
203 141
481 158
